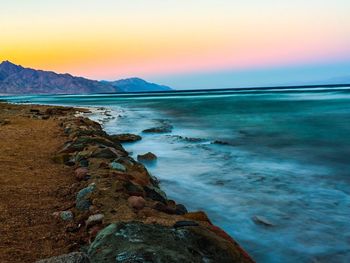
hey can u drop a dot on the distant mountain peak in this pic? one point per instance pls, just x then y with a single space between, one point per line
138 85
15 79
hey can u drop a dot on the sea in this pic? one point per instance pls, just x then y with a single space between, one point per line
269 166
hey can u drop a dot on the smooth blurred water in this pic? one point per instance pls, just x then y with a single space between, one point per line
286 160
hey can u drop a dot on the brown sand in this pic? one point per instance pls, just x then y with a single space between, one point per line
29 187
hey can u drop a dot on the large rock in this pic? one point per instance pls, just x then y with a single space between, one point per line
142 243
126 137
147 157
74 257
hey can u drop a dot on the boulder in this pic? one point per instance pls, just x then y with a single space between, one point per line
147 157
74 257
138 242
125 137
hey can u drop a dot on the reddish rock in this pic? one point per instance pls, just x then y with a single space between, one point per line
81 173
198 216
136 202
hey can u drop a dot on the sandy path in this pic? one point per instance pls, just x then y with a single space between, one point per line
29 181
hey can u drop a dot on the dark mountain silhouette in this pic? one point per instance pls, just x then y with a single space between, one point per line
15 79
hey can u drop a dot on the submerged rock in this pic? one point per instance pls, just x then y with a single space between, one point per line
125 137
138 242
147 157
164 128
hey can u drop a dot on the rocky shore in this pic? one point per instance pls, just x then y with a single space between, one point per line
118 212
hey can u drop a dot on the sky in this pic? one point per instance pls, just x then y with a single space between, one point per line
182 43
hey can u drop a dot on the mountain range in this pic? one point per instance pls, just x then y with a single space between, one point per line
15 79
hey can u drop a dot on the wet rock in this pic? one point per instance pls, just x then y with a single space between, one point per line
164 208
94 220
82 200
126 137
165 128
185 223
147 157
66 215
138 242
74 257
220 142
180 209
155 194
81 173
117 166
136 202
260 220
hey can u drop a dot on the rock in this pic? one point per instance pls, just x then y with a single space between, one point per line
94 219
197 216
185 223
4 122
63 158
82 200
160 129
81 173
146 157
66 215
133 189
106 153
84 163
180 209
74 257
117 166
220 142
155 194
127 242
262 221
136 202
34 111
126 137
164 208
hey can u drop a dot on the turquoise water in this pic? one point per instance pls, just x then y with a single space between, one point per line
286 160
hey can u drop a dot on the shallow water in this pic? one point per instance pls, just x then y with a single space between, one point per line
285 159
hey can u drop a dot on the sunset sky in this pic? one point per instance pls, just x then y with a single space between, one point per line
182 43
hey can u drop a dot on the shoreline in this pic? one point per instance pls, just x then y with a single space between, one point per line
118 201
